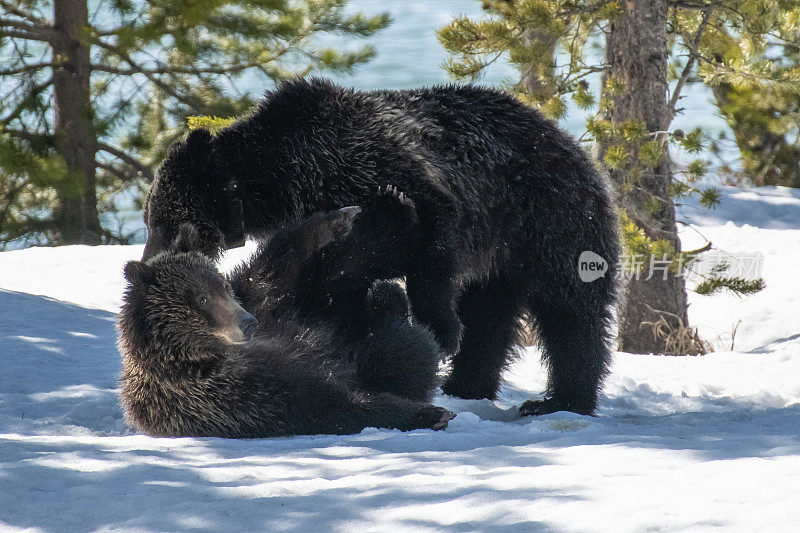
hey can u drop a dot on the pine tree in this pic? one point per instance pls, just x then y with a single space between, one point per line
90 98
765 123
646 44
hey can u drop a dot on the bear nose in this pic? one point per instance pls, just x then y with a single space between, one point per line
149 250
248 324
155 242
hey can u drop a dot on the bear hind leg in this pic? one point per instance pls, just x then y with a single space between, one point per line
576 352
490 313
397 358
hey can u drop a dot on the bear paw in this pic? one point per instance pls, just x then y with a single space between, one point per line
387 299
547 405
323 228
390 203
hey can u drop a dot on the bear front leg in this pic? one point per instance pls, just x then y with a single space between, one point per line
332 283
432 279
433 296
386 301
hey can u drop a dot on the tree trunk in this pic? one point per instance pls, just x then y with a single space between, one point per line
76 212
538 78
636 52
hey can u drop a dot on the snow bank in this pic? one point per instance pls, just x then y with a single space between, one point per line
691 443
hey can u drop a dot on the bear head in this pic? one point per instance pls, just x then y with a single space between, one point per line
179 306
188 188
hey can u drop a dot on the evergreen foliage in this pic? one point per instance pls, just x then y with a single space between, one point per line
746 51
734 284
153 64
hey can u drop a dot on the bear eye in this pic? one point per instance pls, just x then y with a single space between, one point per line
202 300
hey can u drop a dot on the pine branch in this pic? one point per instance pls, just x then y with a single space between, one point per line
28 136
138 69
756 77
27 15
10 197
36 89
693 55
147 172
735 284
28 68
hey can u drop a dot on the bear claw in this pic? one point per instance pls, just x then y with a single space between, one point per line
547 405
392 203
342 220
446 417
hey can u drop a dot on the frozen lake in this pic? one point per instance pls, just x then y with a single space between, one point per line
409 55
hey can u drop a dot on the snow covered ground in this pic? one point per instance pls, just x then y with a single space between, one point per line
680 444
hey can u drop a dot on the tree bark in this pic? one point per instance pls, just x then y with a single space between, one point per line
538 78
75 141
637 55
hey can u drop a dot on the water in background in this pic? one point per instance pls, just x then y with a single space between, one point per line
408 55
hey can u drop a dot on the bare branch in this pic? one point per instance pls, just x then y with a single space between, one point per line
147 172
686 4
23 30
693 54
700 250
16 34
138 69
18 24
39 32
170 69
16 10
114 171
27 68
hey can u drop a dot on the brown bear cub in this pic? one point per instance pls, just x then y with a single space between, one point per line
196 363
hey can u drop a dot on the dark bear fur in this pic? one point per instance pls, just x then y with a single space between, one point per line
506 203
317 270
190 370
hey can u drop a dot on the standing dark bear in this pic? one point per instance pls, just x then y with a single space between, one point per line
506 202
190 367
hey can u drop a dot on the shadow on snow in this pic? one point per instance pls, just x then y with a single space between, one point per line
59 373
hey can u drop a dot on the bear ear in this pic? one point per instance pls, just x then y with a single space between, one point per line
188 238
138 272
197 157
199 142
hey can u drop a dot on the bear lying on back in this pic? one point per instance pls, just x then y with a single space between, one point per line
316 271
189 368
